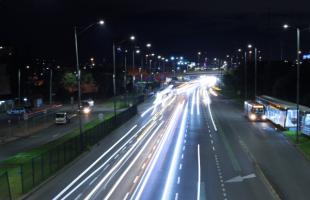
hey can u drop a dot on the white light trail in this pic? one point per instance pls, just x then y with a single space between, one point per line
198 101
94 163
146 111
138 192
176 155
193 102
131 164
210 112
119 162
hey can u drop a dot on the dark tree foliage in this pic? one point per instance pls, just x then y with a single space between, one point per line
274 78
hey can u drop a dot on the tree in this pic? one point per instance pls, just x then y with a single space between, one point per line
69 82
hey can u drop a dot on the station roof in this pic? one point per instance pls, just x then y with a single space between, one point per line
281 104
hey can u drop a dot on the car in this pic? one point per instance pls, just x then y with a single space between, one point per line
17 111
62 118
85 107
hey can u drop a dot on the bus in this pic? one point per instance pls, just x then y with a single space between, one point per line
254 111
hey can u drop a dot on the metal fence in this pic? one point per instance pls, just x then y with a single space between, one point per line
4 186
20 178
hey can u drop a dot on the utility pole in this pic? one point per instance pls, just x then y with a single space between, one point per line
114 84
245 76
18 76
79 89
255 72
297 85
51 86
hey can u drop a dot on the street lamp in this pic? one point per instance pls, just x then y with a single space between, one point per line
255 68
76 33
148 45
286 26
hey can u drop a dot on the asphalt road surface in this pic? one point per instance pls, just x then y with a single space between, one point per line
188 145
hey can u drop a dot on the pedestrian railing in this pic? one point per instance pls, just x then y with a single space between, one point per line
23 172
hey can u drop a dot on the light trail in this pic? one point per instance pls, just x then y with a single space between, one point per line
147 111
138 192
198 101
176 155
94 163
199 172
193 102
210 112
131 164
119 162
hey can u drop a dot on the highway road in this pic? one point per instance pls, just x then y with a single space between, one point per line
45 130
189 144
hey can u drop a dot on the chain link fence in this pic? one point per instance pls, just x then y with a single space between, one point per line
21 177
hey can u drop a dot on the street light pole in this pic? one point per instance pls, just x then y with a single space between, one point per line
51 86
18 76
245 76
114 84
79 88
297 84
133 69
255 72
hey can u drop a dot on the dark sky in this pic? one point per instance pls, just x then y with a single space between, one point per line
43 28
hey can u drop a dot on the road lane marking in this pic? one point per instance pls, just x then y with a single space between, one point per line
199 173
78 196
136 179
176 196
180 167
178 182
94 163
127 169
126 196
93 180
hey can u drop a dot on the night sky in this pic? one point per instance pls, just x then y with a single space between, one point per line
44 29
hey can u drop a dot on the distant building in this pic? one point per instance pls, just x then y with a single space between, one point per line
5 78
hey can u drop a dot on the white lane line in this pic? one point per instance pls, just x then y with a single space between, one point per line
213 148
183 148
211 141
210 112
199 173
182 156
106 167
93 180
94 163
78 196
126 196
178 182
136 179
176 196
180 167
126 170
116 156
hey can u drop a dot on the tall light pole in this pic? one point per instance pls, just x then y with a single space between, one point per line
198 58
133 38
255 72
285 26
114 83
18 76
101 22
245 76
51 86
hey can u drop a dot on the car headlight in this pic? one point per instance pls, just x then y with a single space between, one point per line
253 117
264 117
86 110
